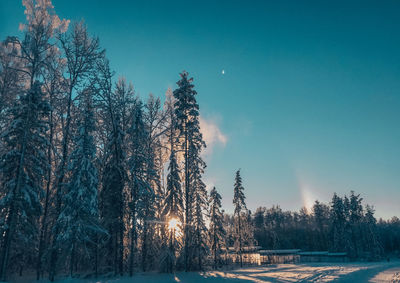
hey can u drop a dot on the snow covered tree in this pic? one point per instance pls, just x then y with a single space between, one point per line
79 217
248 229
81 54
11 79
338 220
240 206
53 87
137 168
355 210
200 202
187 115
114 173
148 199
216 228
22 169
173 201
321 222
372 243
42 25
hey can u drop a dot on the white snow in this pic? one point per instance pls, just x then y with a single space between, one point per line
313 272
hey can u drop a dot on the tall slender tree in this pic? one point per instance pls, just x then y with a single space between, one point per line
22 169
173 201
81 53
114 173
240 206
216 231
79 217
137 167
187 115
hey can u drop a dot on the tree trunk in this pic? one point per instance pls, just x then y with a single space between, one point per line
10 220
187 203
43 229
61 175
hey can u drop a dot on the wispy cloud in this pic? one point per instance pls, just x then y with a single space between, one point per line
212 134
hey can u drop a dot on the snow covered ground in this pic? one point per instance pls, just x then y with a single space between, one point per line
313 272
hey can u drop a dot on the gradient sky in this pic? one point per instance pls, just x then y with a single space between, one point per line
310 100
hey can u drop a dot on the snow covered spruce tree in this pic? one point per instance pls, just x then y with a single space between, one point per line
22 170
79 217
137 170
372 244
187 115
81 53
173 202
240 206
338 220
148 195
321 221
114 173
216 228
200 203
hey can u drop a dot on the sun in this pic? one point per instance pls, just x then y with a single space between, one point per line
173 224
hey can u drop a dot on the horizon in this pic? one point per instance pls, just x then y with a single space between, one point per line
303 98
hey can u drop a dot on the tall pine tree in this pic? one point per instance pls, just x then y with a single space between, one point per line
216 230
187 115
240 206
79 217
23 167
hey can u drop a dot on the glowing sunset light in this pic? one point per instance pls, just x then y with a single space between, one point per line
173 224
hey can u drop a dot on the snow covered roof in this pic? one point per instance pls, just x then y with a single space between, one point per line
313 253
321 253
279 252
246 249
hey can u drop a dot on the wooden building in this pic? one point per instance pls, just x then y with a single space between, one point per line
279 256
250 255
256 256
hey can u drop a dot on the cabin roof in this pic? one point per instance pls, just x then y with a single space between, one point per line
313 253
322 253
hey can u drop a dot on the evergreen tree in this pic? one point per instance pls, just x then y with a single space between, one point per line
338 222
321 220
371 239
355 218
200 204
22 169
240 206
173 202
248 229
82 54
79 217
216 231
114 173
137 136
187 115
113 196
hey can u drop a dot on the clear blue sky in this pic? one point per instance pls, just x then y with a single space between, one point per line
310 99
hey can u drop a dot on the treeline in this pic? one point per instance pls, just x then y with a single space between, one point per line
343 225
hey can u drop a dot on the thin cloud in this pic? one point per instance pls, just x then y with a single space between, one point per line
212 135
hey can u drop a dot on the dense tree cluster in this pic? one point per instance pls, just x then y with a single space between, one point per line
343 225
93 177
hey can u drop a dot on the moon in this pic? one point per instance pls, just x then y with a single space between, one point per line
223 72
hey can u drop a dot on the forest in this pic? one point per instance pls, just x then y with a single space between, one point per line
96 180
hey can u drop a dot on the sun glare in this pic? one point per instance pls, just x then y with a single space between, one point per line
173 224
